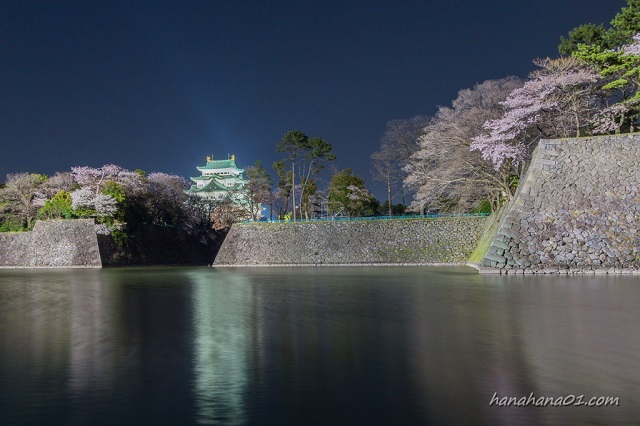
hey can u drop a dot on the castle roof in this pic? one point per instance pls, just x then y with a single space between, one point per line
218 178
213 185
220 164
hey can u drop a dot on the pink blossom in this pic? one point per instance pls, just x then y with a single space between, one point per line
606 121
166 185
634 47
95 179
102 229
547 95
105 205
82 198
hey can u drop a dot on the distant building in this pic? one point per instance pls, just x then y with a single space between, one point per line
219 179
222 180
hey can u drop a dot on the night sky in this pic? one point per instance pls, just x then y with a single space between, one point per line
159 85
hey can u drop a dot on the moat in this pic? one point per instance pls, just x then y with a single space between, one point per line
347 345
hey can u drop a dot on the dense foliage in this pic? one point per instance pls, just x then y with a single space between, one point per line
347 195
118 199
299 194
306 157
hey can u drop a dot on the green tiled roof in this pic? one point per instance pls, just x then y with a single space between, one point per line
217 177
213 186
220 164
215 182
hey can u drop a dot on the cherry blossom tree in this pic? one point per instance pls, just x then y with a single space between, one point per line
444 173
121 201
20 197
60 181
226 214
102 193
634 47
165 198
96 179
113 195
558 100
102 207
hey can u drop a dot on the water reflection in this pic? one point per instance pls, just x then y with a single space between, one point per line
87 346
334 348
92 344
34 325
224 334
313 345
568 336
153 346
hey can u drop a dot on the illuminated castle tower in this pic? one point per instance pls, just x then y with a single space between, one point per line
219 179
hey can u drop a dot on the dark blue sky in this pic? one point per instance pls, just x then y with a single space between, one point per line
158 85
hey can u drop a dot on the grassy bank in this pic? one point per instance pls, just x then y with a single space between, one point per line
488 233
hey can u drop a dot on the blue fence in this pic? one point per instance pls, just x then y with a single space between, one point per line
358 219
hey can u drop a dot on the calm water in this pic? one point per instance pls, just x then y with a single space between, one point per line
393 345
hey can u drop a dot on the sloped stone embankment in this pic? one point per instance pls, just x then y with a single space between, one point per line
577 210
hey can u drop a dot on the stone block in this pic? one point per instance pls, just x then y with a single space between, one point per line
546 162
500 245
496 258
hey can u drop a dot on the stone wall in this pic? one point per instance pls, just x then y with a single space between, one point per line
52 244
577 210
74 244
152 245
414 241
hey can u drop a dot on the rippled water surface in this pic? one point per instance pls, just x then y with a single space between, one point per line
380 345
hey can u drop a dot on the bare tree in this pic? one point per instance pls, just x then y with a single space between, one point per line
386 168
226 214
60 181
282 194
280 202
398 143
